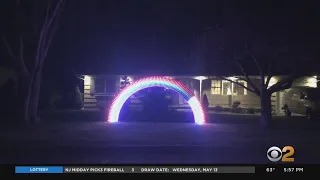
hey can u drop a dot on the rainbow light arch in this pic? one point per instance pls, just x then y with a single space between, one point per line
157 81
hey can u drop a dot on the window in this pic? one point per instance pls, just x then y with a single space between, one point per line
226 87
241 90
215 87
99 85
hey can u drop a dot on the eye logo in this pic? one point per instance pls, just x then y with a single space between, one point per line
275 154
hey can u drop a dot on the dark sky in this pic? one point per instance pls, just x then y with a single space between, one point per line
136 35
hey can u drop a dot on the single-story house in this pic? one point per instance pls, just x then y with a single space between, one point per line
219 92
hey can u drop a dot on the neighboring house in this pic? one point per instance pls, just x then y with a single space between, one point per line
219 92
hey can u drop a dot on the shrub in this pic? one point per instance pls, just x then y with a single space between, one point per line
227 109
70 100
55 101
218 109
78 100
236 104
205 102
251 111
238 110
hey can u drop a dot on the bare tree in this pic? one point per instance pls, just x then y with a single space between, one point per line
260 55
43 23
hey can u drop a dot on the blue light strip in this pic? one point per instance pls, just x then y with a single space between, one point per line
38 169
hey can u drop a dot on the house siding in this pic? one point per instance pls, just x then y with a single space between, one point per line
192 84
90 94
250 100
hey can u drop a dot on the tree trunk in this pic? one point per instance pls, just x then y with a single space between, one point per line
34 97
266 114
24 90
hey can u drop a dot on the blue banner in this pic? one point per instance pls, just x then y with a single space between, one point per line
39 169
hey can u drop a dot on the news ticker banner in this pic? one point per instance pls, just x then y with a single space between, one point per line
134 169
243 169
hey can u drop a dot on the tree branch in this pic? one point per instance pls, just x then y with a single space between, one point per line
247 78
8 47
40 41
20 20
269 67
221 49
35 28
269 74
243 79
21 50
22 64
43 42
282 84
54 29
239 84
255 61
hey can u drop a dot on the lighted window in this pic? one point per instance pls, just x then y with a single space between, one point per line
215 87
239 89
226 88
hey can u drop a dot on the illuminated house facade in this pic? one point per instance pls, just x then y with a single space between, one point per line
99 89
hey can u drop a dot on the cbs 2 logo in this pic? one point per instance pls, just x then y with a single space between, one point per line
275 154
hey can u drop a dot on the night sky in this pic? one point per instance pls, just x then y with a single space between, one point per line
114 36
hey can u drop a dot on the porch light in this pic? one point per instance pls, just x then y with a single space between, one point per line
312 81
272 82
200 78
130 79
232 78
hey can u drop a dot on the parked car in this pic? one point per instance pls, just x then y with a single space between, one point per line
302 100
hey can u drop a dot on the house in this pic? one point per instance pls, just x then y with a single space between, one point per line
219 92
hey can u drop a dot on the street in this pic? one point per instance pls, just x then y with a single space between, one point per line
154 142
